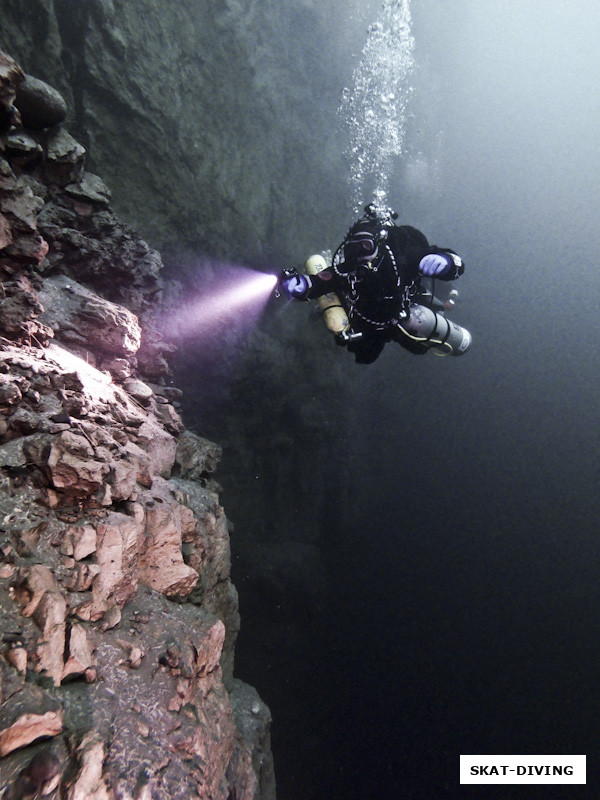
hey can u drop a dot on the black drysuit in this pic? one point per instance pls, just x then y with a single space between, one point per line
378 296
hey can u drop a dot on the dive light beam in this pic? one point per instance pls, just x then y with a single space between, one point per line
243 290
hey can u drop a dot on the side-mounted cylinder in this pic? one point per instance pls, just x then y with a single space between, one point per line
333 312
434 330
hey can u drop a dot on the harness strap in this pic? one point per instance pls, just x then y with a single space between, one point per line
352 297
333 305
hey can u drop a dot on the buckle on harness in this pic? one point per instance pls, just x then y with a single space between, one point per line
345 338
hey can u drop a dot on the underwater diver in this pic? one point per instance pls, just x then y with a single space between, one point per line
372 293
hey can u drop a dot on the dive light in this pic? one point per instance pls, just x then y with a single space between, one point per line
284 275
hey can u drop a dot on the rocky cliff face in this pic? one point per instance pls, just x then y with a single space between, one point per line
200 115
118 615
214 123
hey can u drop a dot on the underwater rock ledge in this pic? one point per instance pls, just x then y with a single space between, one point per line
118 614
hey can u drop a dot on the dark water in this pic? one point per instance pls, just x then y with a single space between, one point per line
462 608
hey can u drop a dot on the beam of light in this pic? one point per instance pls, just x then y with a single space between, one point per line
96 384
257 286
234 299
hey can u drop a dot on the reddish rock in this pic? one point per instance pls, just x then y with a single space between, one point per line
28 728
123 477
117 557
119 368
28 715
80 653
135 657
83 317
79 541
17 656
98 535
161 564
89 784
40 777
169 418
139 390
159 446
34 582
196 457
50 616
41 598
19 310
72 467
83 577
208 644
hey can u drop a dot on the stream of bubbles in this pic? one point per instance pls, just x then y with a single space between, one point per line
374 108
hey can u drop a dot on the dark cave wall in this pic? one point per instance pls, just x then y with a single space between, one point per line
214 124
111 457
212 103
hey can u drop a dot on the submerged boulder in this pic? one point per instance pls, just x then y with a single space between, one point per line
39 104
79 316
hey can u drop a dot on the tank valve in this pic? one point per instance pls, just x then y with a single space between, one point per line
345 337
452 298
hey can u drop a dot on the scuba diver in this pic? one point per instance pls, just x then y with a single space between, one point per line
372 293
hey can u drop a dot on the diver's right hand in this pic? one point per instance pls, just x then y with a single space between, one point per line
295 286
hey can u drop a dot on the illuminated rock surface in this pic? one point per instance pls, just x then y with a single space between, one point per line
117 611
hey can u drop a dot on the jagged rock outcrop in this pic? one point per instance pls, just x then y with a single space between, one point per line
216 98
118 615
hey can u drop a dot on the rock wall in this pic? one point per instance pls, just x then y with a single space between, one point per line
118 615
201 115
214 123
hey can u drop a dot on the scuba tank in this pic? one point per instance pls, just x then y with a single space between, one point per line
332 310
426 327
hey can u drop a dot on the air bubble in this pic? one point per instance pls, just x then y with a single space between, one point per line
373 109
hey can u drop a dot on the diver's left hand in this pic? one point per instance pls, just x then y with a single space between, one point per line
435 265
